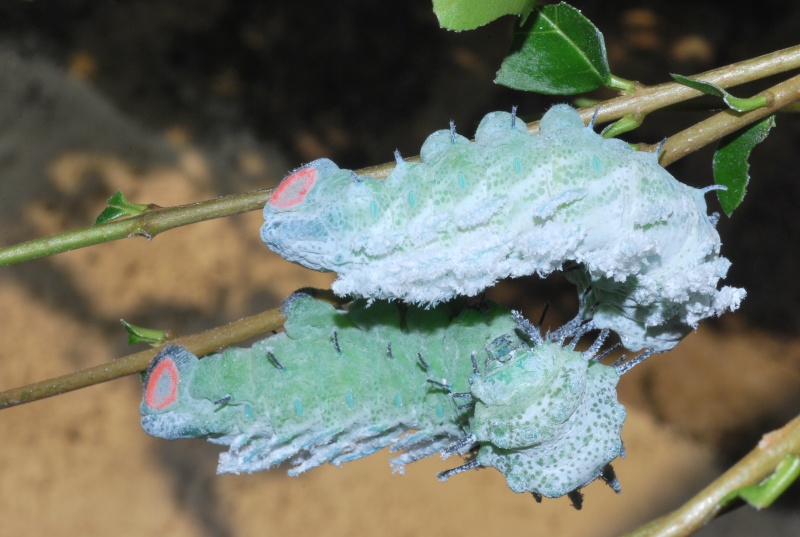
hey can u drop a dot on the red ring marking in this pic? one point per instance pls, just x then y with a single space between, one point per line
153 396
294 188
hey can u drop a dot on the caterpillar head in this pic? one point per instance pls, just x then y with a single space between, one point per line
312 210
545 415
297 224
171 407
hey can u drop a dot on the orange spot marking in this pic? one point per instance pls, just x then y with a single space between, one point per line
158 394
293 190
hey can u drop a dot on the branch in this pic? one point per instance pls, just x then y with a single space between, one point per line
714 128
651 98
648 99
751 470
200 344
151 223
146 225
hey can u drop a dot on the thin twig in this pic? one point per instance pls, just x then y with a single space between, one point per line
751 470
147 225
151 223
714 128
648 99
200 344
651 98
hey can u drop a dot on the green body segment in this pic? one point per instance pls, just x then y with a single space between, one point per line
309 397
337 386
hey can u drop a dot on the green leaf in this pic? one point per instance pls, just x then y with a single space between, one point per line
138 334
585 102
557 52
765 493
119 206
108 214
625 124
731 168
736 103
469 14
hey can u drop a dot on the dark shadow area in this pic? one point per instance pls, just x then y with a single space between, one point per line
191 465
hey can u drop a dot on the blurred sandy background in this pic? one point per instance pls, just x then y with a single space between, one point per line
175 102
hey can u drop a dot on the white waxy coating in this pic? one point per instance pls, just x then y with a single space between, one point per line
512 204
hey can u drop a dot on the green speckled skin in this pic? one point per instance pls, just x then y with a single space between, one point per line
326 406
543 414
556 424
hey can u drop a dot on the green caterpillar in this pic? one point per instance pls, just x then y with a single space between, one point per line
511 204
336 386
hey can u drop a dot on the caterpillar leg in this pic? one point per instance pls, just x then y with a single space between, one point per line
458 447
447 474
576 498
375 445
417 452
609 476
623 367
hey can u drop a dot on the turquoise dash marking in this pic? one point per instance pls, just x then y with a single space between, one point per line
255 453
411 199
518 165
298 407
398 400
350 402
248 412
439 410
596 163
374 210
462 181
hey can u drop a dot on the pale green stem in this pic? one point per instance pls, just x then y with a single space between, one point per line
751 470
727 122
621 84
146 225
200 344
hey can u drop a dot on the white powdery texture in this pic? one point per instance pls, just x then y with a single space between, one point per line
512 204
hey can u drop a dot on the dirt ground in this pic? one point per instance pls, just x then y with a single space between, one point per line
177 102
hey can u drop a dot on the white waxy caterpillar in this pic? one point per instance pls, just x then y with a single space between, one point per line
337 386
511 204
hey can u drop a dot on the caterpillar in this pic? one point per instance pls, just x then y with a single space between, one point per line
511 204
454 379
